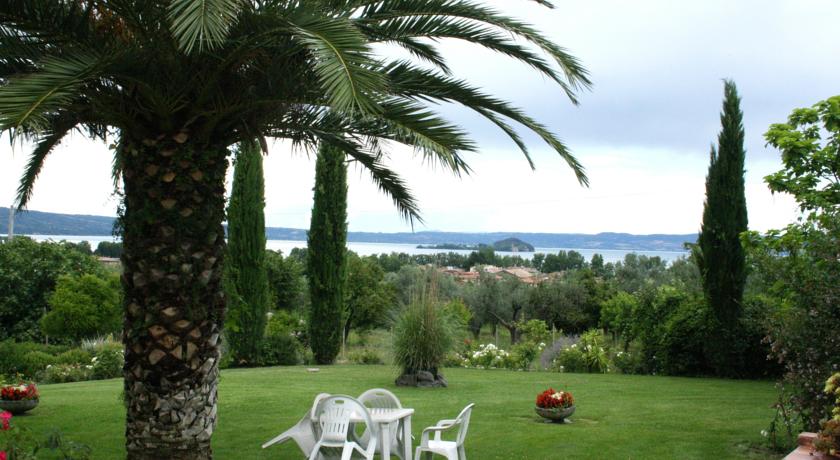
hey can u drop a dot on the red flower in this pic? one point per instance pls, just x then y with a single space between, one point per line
19 392
2 455
4 418
550 399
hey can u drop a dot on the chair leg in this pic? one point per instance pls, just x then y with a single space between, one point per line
462 454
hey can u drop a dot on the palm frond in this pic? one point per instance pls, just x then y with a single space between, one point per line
37 158
445 17
385 179
202 24
27 100
343 62
409 81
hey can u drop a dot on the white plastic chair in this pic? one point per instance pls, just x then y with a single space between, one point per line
306 431
380 398
335 415
452 450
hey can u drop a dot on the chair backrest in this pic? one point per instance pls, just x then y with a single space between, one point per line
379 398
335 415
313 413
463 420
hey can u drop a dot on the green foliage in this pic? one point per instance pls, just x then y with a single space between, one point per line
365 356
422 335
75 356
562 261
108 363
617 315
810 171
587 355
285 281
109 249
246 280
28 275
367 296
83 307
799 265
285 338
719 254
327 266
683 347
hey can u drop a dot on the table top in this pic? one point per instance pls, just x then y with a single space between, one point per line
385 415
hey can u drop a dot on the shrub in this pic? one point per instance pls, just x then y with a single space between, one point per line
83 307
682 344
422 337
279 349
570 359
28 274
108 363
588 355
628 362
365 356
487 356
12 361
63 373
34 362
74 356
523 354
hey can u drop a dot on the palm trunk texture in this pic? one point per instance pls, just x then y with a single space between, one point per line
174 303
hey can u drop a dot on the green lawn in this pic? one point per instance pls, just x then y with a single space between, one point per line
618 416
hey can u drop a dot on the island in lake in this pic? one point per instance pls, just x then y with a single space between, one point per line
505 245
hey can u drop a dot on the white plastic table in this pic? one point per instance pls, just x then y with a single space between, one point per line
385 418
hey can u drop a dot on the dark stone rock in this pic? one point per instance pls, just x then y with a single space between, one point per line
425 376
406 380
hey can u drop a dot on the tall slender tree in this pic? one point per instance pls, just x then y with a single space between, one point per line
246 279
327 261
720 255
175 83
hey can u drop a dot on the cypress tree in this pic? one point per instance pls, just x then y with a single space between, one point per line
327 254
246 280
721 257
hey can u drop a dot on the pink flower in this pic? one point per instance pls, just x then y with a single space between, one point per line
4 418
2 455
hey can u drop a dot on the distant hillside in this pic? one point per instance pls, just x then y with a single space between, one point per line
45 223
48 223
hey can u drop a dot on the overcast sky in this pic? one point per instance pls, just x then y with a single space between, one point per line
643 132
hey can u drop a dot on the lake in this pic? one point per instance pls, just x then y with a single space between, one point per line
366 249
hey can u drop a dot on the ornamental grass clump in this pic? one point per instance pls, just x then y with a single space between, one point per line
423 335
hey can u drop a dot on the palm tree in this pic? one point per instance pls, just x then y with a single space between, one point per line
176 82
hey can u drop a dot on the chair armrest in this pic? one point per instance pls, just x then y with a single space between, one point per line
437 429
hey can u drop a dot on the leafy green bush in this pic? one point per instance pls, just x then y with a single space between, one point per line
365 356
682 344
423 335
628 362
523 354
34 362
108 363
28 274
570 359
64 373
83 307
12 356
74 356
279 350
588 355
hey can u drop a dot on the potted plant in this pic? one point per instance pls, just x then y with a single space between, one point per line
828 439
20 398
555 406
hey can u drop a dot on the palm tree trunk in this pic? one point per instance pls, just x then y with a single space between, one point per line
174 303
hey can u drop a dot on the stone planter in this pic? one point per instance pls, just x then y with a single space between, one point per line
555 415
805 449
18 407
